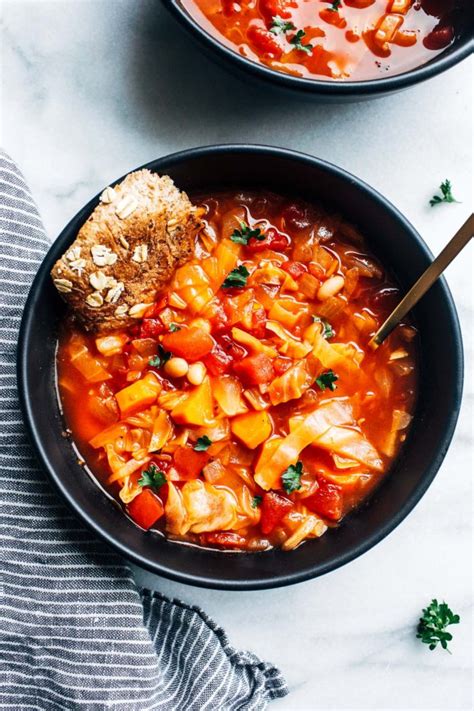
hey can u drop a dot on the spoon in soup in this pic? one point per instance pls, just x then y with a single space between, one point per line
426 280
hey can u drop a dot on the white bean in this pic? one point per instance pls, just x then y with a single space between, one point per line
176 367
331 287
196 373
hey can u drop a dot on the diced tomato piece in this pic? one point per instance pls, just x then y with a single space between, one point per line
270 8
294 269
151 328
218 361
281 365
277 240
326 501
273 240
189 463
264 41
146 509
274 507
190 343
231 347
155 310
226 539
255 370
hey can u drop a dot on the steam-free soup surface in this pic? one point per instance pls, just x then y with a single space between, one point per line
340 39
245 410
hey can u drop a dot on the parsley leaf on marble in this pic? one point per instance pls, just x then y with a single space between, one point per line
432 625
446 194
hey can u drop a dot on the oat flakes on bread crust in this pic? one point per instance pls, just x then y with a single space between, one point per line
127 250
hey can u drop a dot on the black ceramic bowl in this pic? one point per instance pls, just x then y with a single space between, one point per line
327 91
397 244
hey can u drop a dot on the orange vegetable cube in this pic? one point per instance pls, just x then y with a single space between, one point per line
189 343
81 358
141 393
252 428
197 408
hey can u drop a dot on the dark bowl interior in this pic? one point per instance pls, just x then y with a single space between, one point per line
396 243
328 91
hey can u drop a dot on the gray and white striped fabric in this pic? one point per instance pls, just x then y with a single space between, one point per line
76 631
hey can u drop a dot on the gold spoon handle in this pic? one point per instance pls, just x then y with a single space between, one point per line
427 279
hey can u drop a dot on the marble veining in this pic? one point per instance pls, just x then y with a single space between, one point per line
93 88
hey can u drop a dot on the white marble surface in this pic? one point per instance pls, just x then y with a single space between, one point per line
92 89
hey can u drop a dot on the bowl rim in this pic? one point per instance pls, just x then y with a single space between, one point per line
370 87
214 582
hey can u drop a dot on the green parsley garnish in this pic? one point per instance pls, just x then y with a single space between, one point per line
160 359
291 477
327 380
279 25
152 477
237 277
256 501
446 192
431 627
296 40
245 233
328 331
174 327
202 444
335 5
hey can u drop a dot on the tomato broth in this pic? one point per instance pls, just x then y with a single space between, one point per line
342 40
244 409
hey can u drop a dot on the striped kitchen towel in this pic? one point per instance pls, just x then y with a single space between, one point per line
76 633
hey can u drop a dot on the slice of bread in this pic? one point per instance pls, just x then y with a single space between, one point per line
127 251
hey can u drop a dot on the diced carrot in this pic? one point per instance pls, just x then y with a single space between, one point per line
252 428
138 395
197 407
146 509
274 507
190 343
189 463
255 369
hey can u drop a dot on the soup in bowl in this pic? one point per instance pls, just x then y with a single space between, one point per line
244 408
236 431
333 50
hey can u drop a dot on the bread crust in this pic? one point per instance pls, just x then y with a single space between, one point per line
127 250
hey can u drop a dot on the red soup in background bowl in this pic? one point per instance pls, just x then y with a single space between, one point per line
359 47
